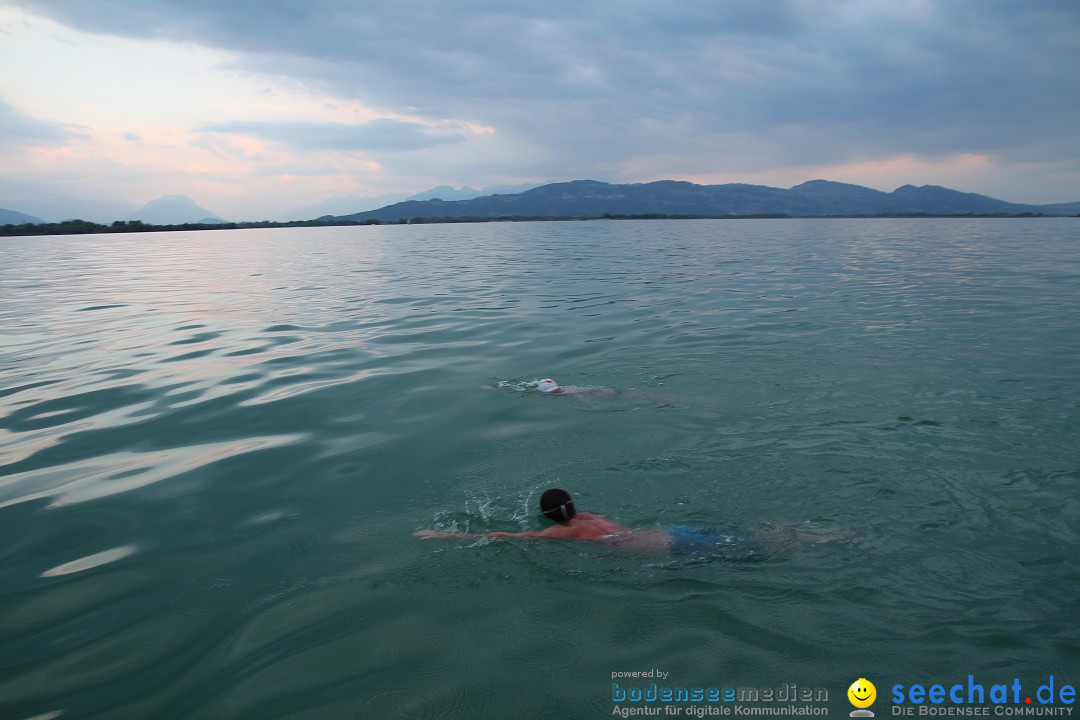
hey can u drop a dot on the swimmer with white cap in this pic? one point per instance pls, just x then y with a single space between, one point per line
549 386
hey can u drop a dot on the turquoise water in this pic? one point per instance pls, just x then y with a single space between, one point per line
215 447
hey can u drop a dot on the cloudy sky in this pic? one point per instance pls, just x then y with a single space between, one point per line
252 106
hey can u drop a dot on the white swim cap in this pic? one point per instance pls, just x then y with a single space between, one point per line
547 385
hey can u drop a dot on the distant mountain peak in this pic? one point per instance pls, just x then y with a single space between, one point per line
172 210
14 217
449 193
817 184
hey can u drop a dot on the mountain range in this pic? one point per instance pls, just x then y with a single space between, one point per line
352 204
579 198
816 198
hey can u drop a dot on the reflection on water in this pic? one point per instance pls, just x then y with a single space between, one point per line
214 448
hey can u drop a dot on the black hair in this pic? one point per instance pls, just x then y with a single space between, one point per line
555 504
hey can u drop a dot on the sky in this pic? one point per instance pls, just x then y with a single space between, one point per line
254 107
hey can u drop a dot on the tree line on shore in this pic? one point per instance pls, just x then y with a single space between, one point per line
85 227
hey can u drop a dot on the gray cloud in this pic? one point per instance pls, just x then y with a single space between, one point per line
723 84
381 135
21 129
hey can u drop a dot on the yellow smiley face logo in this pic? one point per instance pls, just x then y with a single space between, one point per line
862 693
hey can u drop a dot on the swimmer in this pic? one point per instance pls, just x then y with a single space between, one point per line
549 387
715 541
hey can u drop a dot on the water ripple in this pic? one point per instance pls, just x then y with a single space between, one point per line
214 448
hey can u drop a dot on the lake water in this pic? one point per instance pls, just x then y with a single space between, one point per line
215 448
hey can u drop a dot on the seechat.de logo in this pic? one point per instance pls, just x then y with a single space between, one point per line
862 694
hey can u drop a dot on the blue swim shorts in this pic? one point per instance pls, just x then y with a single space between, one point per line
716 542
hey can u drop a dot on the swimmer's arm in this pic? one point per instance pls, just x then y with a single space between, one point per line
445 535
442 535
555 532
523 535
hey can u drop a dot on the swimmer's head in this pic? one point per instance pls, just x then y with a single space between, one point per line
555 504
547 385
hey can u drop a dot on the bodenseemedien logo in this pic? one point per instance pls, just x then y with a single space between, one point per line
862 694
